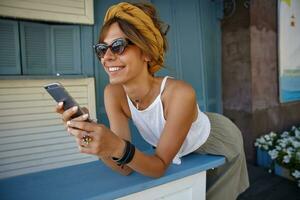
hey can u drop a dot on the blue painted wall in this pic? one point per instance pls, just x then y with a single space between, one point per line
194 50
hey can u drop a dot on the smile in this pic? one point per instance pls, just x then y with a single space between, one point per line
114 69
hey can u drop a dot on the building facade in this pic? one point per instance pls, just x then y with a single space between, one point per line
43 43
230 60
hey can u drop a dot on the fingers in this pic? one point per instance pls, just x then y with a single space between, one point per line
83 139
82 146
59 107
84 149
91 138
66 115
85 126
81 118
85 110
76 132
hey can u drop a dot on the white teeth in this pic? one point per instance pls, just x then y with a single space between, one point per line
113 69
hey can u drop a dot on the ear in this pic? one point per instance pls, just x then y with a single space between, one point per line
147 58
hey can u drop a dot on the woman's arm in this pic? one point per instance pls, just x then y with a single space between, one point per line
180 110
105 143
118 121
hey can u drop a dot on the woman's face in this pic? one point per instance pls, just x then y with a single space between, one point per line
126 66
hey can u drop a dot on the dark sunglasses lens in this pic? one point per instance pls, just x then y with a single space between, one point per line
118 46
101 50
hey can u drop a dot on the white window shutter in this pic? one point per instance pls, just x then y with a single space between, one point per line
69 11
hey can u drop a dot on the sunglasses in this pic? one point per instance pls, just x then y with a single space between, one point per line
116 47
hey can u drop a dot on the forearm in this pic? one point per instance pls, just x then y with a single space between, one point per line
148 165
125 170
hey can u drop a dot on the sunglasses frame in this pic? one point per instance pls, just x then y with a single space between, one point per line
124 44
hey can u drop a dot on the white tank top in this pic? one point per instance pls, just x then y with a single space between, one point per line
150 123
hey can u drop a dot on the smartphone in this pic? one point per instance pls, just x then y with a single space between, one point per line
60 94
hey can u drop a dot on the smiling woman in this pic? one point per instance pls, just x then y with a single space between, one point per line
131 48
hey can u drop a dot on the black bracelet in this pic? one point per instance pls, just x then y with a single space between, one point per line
124 152
128 154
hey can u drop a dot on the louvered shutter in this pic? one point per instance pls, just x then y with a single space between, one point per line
10 49
66 49
50 49
69 11
36 53
32 136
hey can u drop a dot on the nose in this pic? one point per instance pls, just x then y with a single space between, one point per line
109 55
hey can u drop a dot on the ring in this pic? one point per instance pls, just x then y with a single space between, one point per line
87 139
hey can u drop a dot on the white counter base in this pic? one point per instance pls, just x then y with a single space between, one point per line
190 187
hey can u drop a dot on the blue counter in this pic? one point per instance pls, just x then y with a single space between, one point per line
94 180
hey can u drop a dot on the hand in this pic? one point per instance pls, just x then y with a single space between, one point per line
103 142
66 115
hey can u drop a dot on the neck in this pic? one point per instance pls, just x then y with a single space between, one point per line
140 89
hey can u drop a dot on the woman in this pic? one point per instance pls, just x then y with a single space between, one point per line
131 49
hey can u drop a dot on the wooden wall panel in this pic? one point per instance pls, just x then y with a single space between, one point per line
32 136
70 11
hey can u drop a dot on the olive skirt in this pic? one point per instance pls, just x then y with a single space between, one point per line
229 180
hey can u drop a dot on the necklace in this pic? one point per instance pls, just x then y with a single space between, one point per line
139 101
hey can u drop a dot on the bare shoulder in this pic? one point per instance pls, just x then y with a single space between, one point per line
178 95
178 88
114 95
115 99
114 90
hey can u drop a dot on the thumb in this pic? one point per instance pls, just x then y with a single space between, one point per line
85 110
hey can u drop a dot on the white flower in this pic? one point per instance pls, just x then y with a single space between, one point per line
262 140
272 134
296 174
278 148
290 150
283 144
266 147
285 134
267 137
286 158
296 144
273 153
297 133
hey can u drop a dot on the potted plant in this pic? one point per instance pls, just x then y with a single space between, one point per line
286 155
264 144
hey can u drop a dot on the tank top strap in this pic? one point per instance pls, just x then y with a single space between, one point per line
163 84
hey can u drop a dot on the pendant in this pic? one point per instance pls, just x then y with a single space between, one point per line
137 104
